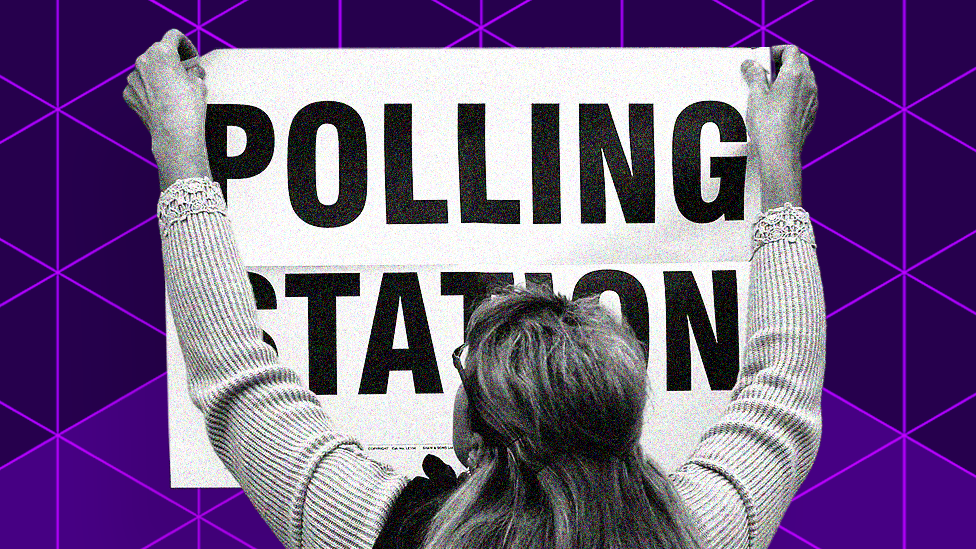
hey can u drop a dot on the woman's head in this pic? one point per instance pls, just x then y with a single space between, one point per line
554 377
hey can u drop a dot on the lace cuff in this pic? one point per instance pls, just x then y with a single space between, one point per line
186 197
788 222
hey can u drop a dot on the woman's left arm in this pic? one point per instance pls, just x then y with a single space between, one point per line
311 483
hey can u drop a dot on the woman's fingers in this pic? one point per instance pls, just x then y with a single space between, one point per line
755 76
179 43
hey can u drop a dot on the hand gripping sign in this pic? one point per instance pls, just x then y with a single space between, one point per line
377 195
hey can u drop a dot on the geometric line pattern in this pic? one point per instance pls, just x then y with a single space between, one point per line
898 384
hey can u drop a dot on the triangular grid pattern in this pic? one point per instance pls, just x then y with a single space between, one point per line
80 468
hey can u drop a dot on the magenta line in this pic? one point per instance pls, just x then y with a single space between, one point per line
57 354
517 6
862 296
859 409
29 256
110 140
199 537
838 71
223 13
942 87
228 534
25 90
621 23
222 503
726 6
171 532
790 532
89 254
858 246
114 402
27 453
951 300
971 233
338 46
459 14
744 38
25 128
845 469
943 458
25 416
219 39
99 85
29 288
459 40
500 39
940 130
785 15
127 313
127 475
57 493
481 23
904 493
942 413
904 265
851 140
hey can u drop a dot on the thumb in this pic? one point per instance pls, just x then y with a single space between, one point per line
755 76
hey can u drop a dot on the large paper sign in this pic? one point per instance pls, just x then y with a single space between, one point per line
378 195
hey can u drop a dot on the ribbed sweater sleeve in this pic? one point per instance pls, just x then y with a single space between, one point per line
747 467
311 484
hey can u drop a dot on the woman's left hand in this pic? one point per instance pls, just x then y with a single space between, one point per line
171 101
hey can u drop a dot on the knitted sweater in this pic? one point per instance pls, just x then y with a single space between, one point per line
315 486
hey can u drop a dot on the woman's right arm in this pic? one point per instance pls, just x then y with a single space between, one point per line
748 466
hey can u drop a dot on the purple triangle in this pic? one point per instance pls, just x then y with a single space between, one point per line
400 24
468 8
934 28
746 8
211 497
212 538
938 494
867 174
29 386
847 271
144 451
19 435
98 505
878 24
948 110
184 537
19 272
940 354
848 436
496 8
753 41
783 540
31 28
240 518
28 499
490 41
28 162
80 69
863 355
119 191
186 8
469 42
129 273
214 8
862 506
948 435
777 8
934 163
948 272
104 354
20 109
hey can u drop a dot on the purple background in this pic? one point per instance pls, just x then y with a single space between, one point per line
83 460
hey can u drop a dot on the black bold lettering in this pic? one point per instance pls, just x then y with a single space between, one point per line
264 298
322 289
686 156
475 206
598 139
633 299
401 208
546 206
719 349
352 164
257 151
475 287
381 357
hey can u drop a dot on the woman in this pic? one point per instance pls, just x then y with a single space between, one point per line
549 415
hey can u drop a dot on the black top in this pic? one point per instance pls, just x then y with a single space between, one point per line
417 504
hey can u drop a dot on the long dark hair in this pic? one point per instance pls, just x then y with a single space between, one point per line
564 384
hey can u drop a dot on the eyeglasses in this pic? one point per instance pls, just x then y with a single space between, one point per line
478 424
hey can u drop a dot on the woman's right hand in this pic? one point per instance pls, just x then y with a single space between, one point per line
171 101
779 118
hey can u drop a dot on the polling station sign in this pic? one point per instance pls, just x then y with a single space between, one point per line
378 195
